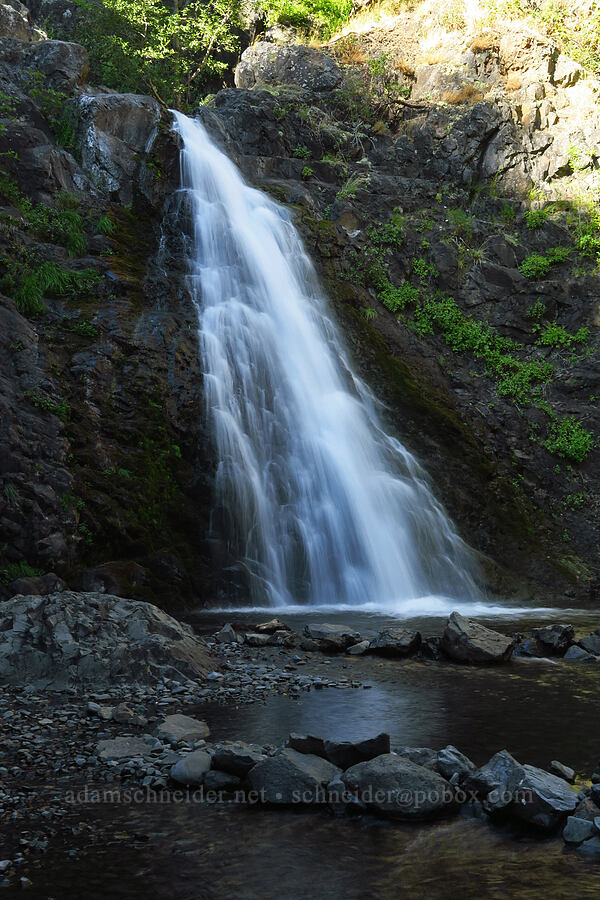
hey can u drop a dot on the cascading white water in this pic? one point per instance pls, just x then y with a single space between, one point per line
322 506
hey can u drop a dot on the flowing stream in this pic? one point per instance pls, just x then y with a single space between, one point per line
317 502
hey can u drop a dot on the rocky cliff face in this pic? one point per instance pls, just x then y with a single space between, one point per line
105 466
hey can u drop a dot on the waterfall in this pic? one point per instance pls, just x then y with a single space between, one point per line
320 505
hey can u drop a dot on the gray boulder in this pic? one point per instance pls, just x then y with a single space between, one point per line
578 654
237 757
451 763
192 768
591 644
307 743
576 831
94 639
226 635
268 63
291 777
332 637
358 649
555 639
348 753
465 641
396 642
182 728
421 756
396 787
257 640
116 132
271 627
65 65
15 22
221 781
566 772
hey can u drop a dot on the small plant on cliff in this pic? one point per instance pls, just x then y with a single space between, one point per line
59 408
535 218
351 186
555 335
18 570
537 265
301 152
307 172
105 225
424 270
569 439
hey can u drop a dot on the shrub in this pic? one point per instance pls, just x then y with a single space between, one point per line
537 265
535 218
569 439
18 570
301 152
555 335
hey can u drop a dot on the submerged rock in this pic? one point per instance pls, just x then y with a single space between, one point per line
396 787
182 728
290 777
466 641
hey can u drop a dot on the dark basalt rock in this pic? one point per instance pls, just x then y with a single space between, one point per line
465 641
396 642
348 753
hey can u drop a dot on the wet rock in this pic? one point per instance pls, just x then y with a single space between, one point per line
221 781
292 777
451 762
577 654
116 131
271 627
421 756
396 787
226 635
466 641
257 640
396 642
566 772
307 743
358 649
268 63
237 757
586 809
591 846
591 644
182 728
123 747
576 831
347 753
332 637
555 639
192 768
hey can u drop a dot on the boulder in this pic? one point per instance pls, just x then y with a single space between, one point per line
93 639
524 792
307 743
566 772
221 781
15 22
555 639
226 635
396 642
578 654
125 747
268 63
591 644
421 756
395 787
116 131
348 753
292 777
237 757
191 768
257 640
590 846
586 809
182 728
465 641
271 627
65 65
332 637
358 649
576 831
452 763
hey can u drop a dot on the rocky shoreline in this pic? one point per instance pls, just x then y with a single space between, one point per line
134 728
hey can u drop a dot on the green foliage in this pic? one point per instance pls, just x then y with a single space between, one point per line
424 270
105 225
86 329
351 186
536 310
389 235
171 50
59 408
57 107
462 223
57 226
507 213
28 282
574 501
555 335
18 570
537 265
320 17
307 172
398 298
569 439
71 501
301 152
118 471
535 218
370 94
